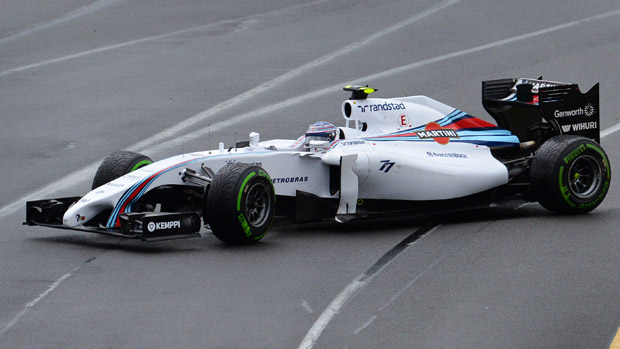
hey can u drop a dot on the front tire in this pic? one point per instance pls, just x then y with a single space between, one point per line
119 164
570 174
240 203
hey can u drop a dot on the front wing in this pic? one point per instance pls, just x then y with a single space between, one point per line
146 226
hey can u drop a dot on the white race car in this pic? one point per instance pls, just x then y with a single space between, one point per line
393 156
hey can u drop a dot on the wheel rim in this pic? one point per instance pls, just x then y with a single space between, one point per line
585 176
257 204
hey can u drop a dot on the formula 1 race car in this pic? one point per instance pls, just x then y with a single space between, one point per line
393 156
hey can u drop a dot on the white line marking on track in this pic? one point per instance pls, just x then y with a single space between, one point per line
61 184
492 45
105 49
51 288
291 74
139 41
306 306
332 309
606 132
395 297
366 324
97 5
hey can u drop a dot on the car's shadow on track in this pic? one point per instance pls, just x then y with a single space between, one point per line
373 225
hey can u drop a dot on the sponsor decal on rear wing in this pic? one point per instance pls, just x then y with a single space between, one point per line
573 112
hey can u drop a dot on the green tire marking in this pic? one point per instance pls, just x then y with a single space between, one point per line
605 161
566 192
264 174
564 189
573 154
140 164
245 181
606 185
244 225
598 198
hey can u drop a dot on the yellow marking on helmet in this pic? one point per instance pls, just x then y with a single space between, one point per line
369 90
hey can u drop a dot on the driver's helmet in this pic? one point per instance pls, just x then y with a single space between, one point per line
320 131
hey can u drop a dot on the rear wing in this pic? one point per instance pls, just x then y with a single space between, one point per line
536 109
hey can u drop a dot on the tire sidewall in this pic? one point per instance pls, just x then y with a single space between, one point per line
226 203
550 174
254 176
575 153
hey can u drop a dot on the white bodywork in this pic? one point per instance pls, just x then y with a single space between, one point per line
385 164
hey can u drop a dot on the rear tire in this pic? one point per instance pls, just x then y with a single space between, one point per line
570 174
119 164
240 203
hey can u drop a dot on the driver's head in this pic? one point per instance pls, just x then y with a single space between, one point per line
320 131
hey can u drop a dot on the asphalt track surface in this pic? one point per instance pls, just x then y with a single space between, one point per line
80 79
